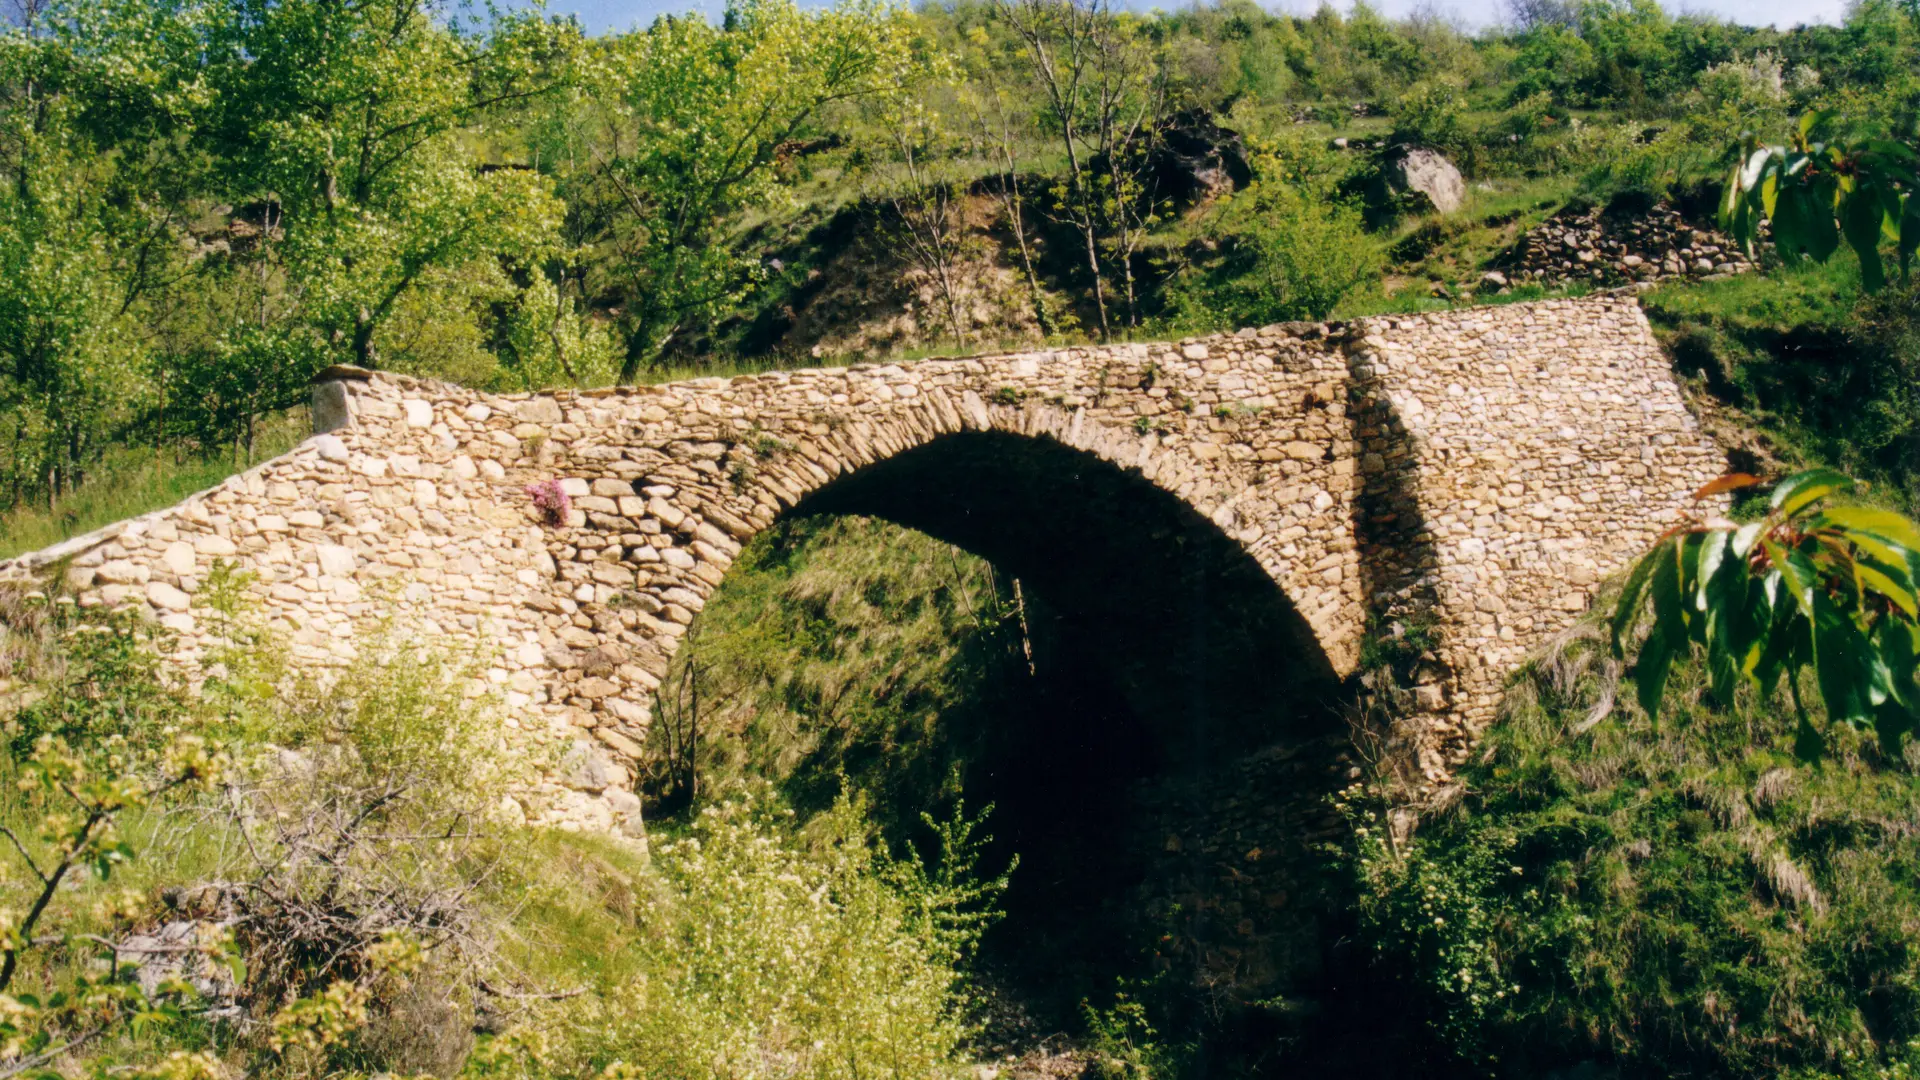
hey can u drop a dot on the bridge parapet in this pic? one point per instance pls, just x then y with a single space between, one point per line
1483 468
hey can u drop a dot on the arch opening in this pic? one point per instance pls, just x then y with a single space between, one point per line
1155 723
1178 613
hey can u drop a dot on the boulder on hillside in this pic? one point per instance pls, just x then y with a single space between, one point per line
1195 159
1428 172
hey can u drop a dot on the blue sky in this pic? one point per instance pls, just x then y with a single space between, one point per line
624 14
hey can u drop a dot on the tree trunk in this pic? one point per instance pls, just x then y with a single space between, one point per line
363 340
636 355
1099 289
1040 312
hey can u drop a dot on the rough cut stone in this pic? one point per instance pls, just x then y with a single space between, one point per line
330 447
179 557
335 560
166 597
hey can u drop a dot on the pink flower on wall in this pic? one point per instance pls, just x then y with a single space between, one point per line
551 500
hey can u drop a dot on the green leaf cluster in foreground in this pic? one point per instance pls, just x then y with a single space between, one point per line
1813 584
1816 190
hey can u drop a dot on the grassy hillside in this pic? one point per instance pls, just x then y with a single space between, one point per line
1681 899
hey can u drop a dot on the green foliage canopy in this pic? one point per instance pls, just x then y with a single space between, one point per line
698 116
349 116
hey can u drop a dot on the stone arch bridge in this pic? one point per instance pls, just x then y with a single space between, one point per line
1256 499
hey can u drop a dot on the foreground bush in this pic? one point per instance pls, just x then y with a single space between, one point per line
352 906
1685 899
767 954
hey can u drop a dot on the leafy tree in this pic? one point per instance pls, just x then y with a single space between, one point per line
1103 90
696 118
1219 53
70 376
1373 40
1000 120
218 390
920 190
350 118
1738 96
1633 67
1816 190
1528 14
1876 43
1817 583
1129 104
547 341
1553 60
95 114
1293 249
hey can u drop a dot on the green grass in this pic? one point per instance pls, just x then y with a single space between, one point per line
1677 899
1456 248
846 651
133 480
574 902
1413 301
1804 368
1812 294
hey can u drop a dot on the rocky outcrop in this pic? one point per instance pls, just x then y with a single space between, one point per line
1590 244
1195 159
1421 171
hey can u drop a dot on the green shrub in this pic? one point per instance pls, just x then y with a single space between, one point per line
1636 171
407 712
1553 59
1430 113
88 678
766 952
1533 115
1126 1045
1289 254
1885 330
1684 899
1739 96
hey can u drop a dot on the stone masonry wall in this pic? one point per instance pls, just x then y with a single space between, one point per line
1489 465
1549 446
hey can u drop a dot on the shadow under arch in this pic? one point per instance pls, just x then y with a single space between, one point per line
1198 637
1169 785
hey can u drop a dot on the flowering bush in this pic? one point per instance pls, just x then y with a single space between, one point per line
551 500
